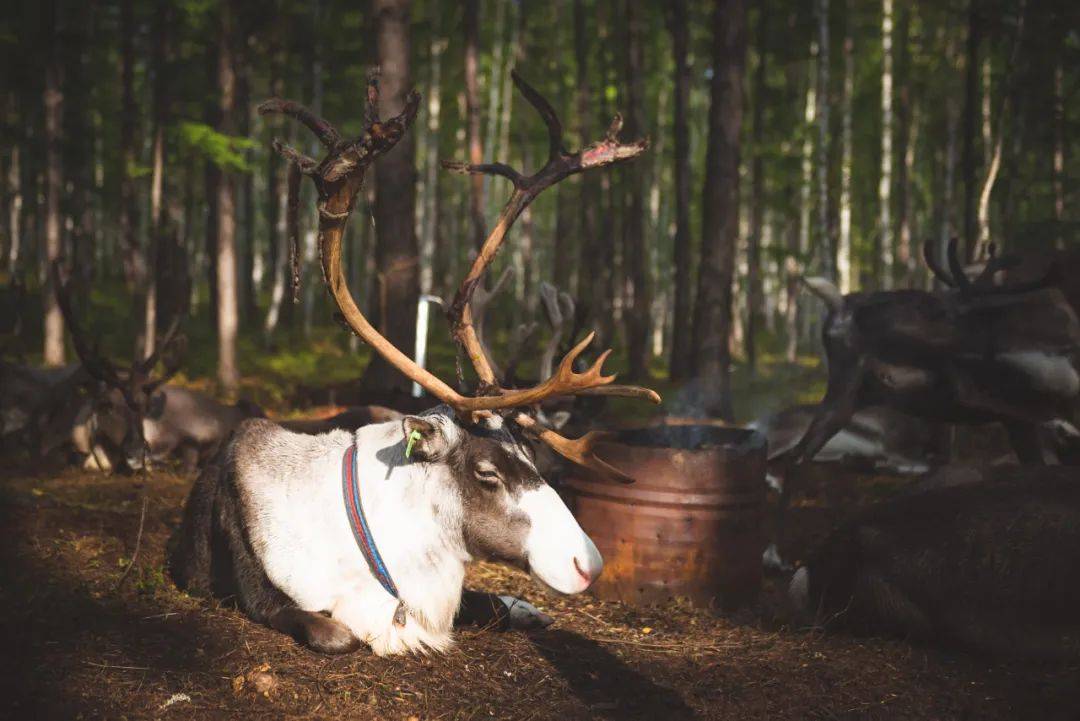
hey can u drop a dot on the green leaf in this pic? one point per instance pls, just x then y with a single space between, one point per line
224 151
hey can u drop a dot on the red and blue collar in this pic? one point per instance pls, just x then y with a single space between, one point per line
350 487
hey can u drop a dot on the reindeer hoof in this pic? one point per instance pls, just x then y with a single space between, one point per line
524 616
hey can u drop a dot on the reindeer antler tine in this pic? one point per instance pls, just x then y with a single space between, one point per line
147 364
580 451
955 267
612 135
95 363
598 366
323 130
546 112
622 391
934 266
307 165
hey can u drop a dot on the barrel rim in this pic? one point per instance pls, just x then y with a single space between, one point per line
683 437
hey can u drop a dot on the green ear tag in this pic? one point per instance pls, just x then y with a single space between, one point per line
413 438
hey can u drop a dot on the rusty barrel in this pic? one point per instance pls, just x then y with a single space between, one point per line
691 526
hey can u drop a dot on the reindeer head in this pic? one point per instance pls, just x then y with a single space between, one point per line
339 177
493 494
124 397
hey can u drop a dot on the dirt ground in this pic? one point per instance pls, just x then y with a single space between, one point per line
75 646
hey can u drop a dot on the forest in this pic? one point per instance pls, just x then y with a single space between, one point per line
847 229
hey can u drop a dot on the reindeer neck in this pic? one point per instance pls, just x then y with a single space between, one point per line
415 519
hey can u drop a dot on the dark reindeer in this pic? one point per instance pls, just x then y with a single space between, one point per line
975 353
989 564
268 524
134 415
111 426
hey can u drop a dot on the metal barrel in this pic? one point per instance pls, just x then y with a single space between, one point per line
691 526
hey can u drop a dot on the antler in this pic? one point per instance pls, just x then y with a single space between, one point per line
579 450
560 164
93 361
984 282
338 178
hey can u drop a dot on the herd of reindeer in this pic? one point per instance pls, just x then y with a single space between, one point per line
985 555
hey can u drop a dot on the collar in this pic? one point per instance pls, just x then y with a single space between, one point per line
350 487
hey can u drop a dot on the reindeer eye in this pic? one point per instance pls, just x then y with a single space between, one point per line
488 476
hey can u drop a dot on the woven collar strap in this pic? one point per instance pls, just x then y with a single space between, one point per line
350 488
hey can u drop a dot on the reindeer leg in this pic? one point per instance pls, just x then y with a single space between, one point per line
1029 444
835 411
501 613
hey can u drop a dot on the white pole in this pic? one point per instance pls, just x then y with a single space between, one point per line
423 311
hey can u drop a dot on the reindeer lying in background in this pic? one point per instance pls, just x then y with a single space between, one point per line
38 405
133 415
978 352
992 565
414 499
875 437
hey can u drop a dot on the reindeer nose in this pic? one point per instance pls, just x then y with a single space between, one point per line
587 576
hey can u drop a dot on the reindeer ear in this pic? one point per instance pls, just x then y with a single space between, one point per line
424 440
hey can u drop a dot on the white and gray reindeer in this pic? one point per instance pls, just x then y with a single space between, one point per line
351 538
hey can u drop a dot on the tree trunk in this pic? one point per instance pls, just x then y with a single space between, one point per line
276 200
54 100
211 183
826 249
78 161
395 188
591 286
15 203
158 250
885 235
905 260
971 91
682 322
472 119
720 200
755 301
635 256
430 226
843 256
228 373
310 272
1058 165
134 268
247 248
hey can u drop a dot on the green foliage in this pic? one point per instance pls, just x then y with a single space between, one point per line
224 151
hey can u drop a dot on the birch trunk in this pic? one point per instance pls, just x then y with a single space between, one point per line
885 234
53 100
844 266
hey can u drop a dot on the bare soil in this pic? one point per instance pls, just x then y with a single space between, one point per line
77 646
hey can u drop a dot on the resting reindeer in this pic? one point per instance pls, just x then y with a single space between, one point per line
362 537
992 565
975 353
133 415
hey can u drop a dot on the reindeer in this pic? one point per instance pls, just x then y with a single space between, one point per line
134 415
976 352
362 537
991 564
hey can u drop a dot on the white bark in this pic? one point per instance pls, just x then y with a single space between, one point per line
885 181
843 255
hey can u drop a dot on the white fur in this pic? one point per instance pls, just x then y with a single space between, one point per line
312 556
1050 373
799 589
295 513
556 547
